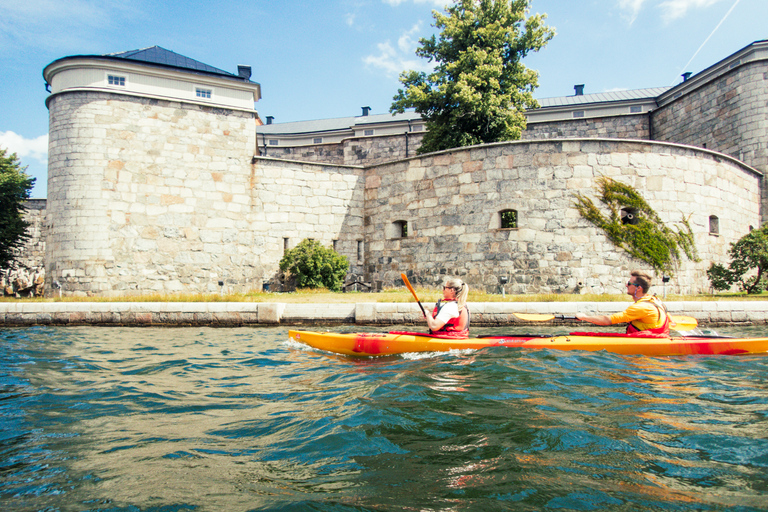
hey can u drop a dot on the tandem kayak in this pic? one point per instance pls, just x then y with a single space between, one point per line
397 342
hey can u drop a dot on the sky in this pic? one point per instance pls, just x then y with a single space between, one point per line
327 59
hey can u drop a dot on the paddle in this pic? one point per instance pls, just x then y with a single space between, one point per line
413 292
678 323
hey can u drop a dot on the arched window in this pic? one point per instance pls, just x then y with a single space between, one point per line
508 219
714 225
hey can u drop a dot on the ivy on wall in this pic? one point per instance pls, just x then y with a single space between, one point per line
635 227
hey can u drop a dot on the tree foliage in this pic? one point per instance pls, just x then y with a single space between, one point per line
646 237
479 89
749 253
315 266
15 187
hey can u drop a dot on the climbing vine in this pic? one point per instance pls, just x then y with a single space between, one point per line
635 227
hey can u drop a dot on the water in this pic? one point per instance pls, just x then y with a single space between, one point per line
140 419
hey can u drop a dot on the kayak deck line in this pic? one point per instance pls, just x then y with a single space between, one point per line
399 342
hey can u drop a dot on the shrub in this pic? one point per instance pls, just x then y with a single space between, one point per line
315 266
749 253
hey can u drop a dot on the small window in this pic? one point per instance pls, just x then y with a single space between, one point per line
629 216
203 93
273 142
636 109
714 225
116 80
285 245
368 132
399 229
318 140
578 113
508 219
335 245
360 247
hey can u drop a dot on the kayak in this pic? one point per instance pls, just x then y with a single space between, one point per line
400 342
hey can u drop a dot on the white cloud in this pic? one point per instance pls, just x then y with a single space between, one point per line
36 148
393 60
633 7
673 9
670 9
58 24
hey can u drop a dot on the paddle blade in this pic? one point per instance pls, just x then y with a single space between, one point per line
534 317
683 323
413 292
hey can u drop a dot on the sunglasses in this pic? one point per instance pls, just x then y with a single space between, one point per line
630 283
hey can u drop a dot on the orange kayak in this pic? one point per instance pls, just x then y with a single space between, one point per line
395 342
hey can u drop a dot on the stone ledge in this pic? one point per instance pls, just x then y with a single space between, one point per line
225 314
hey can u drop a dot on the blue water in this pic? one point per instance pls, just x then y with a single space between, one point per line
140 419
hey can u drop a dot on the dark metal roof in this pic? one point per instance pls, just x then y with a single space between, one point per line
163 57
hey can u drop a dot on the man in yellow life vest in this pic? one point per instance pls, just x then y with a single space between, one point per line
647 314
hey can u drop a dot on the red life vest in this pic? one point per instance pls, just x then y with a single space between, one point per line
453 326
663 328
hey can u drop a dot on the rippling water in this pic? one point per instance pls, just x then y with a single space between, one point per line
139 419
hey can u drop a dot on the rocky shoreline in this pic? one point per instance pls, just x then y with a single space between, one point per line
233 314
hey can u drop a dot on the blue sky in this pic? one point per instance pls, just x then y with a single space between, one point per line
324 59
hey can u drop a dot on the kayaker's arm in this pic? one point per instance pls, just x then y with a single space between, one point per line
433 323
594 319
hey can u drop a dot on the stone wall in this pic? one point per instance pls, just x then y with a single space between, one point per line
451 203
353 151
620 127
147 195
728 114
32 255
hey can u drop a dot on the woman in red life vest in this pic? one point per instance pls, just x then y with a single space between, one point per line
451 315
647 314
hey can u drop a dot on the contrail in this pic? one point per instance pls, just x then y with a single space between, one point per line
705 41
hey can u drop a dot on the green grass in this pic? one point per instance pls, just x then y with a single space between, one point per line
387 295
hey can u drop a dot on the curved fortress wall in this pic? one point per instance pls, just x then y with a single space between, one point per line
451 202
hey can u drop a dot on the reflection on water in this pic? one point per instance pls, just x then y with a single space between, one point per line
243 419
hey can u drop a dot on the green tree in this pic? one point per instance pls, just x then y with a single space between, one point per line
749 253
15 186
479 89
315 266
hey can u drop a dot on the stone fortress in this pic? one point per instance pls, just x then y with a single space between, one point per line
163 178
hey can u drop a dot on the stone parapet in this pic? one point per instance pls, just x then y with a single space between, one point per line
231 314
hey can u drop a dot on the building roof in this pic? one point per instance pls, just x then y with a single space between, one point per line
158 56
336 124
604 97
163 57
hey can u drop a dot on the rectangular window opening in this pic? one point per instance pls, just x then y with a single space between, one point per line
203 93
116 80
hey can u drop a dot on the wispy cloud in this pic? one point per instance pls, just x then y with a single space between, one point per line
631 8
25 149
673 9
670 10
58 24
393 59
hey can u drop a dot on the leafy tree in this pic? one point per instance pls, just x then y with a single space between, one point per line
15 186
479 89
315 266
749 253
646 237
